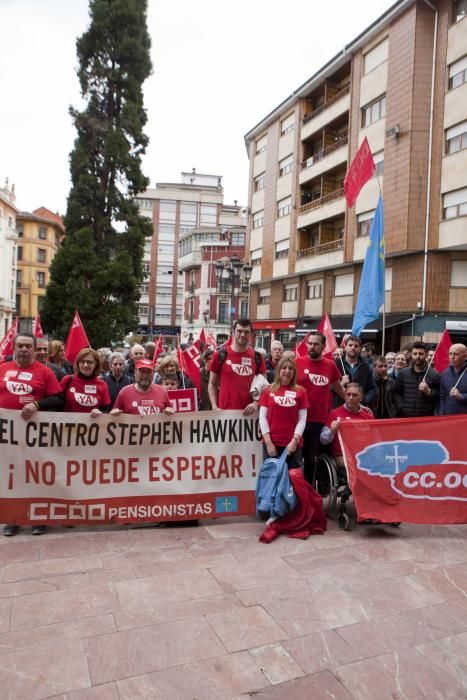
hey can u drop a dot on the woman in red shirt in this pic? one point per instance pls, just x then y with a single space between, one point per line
282 414
85 391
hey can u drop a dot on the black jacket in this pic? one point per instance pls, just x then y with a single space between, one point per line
383 405
409 401
361 373
115 385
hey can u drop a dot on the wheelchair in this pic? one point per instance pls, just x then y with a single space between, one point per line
331 482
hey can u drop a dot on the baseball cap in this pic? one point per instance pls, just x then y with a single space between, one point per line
144 363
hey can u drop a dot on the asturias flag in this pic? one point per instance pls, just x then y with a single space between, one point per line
371 290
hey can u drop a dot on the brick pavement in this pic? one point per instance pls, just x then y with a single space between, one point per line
209 613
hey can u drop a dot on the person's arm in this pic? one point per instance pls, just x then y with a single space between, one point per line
213 389
266 431
50 403
338 388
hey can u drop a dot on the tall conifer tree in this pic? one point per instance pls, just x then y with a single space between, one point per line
98 270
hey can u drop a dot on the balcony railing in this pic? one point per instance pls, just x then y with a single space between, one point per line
330 247
335 98
325 152
337 194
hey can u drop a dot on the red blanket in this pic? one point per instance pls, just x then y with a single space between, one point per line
306 519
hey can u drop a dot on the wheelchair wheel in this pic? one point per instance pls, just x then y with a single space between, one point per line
343 521
325 482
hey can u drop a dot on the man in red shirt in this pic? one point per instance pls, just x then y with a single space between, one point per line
233 368
143 397
352 409
28 386
317 374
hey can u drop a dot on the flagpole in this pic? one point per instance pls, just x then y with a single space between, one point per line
383 339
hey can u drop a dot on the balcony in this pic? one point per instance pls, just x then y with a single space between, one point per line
330 197
329 205
325 159
329 247
328 111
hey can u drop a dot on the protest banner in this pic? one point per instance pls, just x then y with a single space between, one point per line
407 470
68 469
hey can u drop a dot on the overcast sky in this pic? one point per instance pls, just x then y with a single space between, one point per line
218 68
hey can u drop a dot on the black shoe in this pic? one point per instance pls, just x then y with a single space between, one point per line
10 530
39 529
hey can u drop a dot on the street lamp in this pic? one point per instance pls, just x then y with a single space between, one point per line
237 273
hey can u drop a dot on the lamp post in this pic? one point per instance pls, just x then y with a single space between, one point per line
237 273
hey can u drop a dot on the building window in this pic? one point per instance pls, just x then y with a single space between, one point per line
375 56
458 73
19 230
243 309
19 253
41 279
42 233
41 255
261 144
343 285
460 9
168 211
146 269
314 289
388 279
18 278
290 292
455 204
378 160
255 257
145 203
264 295
284 207
258 182
459 273
143 310
223 312
285 165
258 219
282 250
144 289
456 138
374 111
364 222
288 124
237 239
208 215
18 304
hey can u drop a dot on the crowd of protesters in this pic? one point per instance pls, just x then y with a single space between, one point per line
301 400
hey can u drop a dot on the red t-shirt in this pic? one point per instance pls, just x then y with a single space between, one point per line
146 403
236 374
21 385
283 406
316 377
82 395
344 414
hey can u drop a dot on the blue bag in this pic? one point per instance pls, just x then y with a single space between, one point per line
274 493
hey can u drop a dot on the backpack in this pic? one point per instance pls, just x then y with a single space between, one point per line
223 355
274 493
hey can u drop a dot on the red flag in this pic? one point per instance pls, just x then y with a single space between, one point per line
38 332
326 329
180 357
159 347
441 356
192 362
360 171
301 348
344 339
208 339
77 339
6 346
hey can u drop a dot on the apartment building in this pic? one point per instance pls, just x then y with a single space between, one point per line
192 229
8 238
402 83
40 234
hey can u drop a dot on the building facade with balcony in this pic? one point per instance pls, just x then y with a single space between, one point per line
8 238
402 84
192 228
40 234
